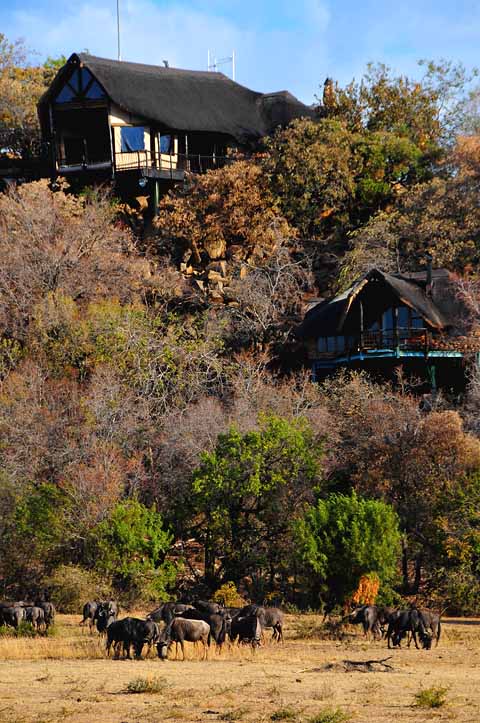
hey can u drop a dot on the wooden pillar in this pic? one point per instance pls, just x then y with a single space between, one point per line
361 323
155 196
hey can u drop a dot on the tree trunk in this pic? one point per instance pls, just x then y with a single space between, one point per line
418 574
406 581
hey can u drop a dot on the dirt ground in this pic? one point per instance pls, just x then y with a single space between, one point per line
67 678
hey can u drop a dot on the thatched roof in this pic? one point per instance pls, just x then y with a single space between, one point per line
186 100
438 306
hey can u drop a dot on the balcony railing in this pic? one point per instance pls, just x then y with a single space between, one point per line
368 341
156 164
168 165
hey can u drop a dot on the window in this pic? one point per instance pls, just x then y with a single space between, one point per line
80 85
165 143
387 320
132 138
66 94
417 321
94 91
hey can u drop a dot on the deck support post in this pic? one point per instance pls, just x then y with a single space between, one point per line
155 196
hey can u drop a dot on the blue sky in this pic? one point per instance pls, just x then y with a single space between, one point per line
279 45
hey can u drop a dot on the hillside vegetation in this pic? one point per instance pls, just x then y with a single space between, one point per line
158 431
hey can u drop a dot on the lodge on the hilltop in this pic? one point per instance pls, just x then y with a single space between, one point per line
148 125
387 320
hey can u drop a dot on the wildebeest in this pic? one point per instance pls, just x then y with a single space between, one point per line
247 629
432 622
89 610
49 612
218 622
212 608
13 615
181 630
36 616
272 618
167 611
369 617
103 618
269 618
409 621
128 632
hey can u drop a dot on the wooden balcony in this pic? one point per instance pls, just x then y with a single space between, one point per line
169 167
388 342
157 165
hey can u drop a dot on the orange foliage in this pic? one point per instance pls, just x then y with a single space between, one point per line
367 590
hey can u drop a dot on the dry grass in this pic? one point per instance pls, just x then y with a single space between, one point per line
67 677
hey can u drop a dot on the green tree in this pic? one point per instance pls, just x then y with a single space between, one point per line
247 492
131 546
344 537
429 110
329 178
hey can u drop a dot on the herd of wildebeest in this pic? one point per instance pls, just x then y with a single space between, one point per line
208 622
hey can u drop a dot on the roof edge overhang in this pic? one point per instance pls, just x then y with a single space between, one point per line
377 275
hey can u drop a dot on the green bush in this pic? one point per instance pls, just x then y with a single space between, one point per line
71 586
342 538
434 697
131 545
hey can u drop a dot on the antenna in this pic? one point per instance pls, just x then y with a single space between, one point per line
213 62
119 55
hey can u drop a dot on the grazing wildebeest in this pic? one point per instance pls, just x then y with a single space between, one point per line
247 629
409 621
218 622
368 616
35 616
13 615
432 622
271 618
89 610
181 630
167 611
49 612
128 632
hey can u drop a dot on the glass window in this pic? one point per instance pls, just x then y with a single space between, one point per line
75 81
86 78
417 321
387 320
132 138
166 145
322 344
331 343
94 91
403 317
340 343
375 326
65 95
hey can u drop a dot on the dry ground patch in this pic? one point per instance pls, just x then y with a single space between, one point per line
68 678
